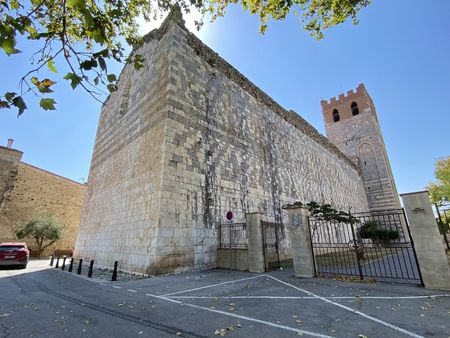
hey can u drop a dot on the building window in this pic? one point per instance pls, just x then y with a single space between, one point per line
355 110
336 115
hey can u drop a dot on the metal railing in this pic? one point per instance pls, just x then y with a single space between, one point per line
233 235
377 245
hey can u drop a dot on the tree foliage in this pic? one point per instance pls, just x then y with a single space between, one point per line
324 212
440 190
44 229
87 34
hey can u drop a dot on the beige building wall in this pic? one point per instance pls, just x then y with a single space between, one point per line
184 140
32 189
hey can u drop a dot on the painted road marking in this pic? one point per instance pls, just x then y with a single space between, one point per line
213 285
131 290
117 287
412 334
308 297
259 321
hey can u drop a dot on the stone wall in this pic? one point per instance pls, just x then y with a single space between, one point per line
218 143
33 189
9 159
120 217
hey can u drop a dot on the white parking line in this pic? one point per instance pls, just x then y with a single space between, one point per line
212 285
259 321
308 297
412 334
117 287
131 290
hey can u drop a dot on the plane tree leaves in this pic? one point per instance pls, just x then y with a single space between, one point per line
83 36
47 104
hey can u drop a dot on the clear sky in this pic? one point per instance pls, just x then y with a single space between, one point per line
400 50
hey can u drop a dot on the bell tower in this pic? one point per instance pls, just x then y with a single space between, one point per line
351 123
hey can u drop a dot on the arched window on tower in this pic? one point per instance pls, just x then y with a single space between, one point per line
354 107
336 115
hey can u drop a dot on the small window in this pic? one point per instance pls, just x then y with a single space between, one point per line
355 110
336 115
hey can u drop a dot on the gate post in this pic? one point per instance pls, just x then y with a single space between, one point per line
301 242
427 240
255 243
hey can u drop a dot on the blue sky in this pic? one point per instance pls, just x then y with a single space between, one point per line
400 50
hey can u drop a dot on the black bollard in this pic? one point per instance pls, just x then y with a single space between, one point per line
57 263
71 265
63 267
114 274
91 267
79 266
52 258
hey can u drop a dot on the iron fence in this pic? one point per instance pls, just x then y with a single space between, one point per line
233 235
376 245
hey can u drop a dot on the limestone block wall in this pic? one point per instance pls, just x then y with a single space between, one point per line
9 159
120 216
183 141
229 147
35 188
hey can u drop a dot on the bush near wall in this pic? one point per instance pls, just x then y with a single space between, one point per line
373 230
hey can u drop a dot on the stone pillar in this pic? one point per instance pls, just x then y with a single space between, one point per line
301 242
255 242
427 240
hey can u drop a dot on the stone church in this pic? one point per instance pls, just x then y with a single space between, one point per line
188 137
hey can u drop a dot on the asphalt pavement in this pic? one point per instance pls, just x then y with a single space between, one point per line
46 302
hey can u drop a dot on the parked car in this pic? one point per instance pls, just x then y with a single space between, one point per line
14 253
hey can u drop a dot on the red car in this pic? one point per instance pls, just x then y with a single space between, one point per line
14 253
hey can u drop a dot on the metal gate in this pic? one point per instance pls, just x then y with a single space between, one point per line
271 244
375 245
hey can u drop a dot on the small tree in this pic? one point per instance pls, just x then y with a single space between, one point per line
45 229
440 190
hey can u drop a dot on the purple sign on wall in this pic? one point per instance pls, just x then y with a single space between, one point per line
229 215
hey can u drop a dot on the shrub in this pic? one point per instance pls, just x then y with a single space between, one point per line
372 230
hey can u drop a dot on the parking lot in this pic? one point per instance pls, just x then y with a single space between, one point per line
226 303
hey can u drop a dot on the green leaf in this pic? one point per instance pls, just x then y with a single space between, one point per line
19 103
44 86
102 63
138 61
97 34
51 66
74 79
4 104
111 77
10 95
103 52
8 46
88 64
15 4
48 104
111 87
79 4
